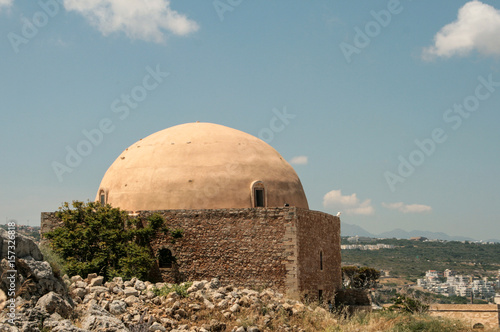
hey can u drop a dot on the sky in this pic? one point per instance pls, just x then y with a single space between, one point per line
388 110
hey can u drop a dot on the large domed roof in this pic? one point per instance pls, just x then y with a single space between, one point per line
200 166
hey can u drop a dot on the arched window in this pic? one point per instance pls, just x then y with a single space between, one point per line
165 258
478 326
102 197
258 194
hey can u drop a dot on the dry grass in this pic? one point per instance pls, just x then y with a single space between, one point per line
315 319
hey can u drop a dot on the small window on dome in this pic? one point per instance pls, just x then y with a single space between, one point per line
258 194
259 197
102 197
321 260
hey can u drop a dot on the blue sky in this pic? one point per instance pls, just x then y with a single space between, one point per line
390 108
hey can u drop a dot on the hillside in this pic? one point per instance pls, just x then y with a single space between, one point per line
413 258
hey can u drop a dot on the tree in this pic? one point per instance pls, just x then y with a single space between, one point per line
409 304
95 238
359 278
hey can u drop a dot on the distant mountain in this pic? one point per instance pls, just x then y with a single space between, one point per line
402 234
353 230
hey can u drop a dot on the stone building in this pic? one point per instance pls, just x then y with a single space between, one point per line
240 204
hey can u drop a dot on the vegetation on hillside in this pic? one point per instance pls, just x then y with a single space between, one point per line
413 258
95 238
359 277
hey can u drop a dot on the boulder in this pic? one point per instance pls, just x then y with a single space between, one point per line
98 289
54 303
140 285
117 307
98 319
24 246
97 281
157 327
130 291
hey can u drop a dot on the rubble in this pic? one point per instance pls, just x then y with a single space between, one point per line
48 303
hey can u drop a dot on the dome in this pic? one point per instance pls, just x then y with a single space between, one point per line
200 166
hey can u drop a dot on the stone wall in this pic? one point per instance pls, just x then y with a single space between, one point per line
48 222
256 247
250 247
242 246
318 239
471 314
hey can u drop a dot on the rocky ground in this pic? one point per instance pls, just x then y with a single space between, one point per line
47 303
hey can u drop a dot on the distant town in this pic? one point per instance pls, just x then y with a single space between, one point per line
460 285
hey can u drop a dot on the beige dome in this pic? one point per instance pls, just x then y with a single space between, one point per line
200 166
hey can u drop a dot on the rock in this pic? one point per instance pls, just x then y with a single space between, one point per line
208 304
253 329
215 326
194 307
118 280
40 269
91 276
97 281
53 302
98 319
130 283
98 290
24 246
244 301
80 284
298 308
214 283
80 292
75 279
104 304
234 308
217 296
176 305
157 327
139 285
130 300
240 329
117 307
182 313
129 291
223 304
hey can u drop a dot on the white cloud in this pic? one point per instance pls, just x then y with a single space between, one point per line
5 4
349 204
407 208
476 28
139 19
299 160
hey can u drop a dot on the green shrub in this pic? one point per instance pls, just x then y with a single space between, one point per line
95 238
408 304
181 289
